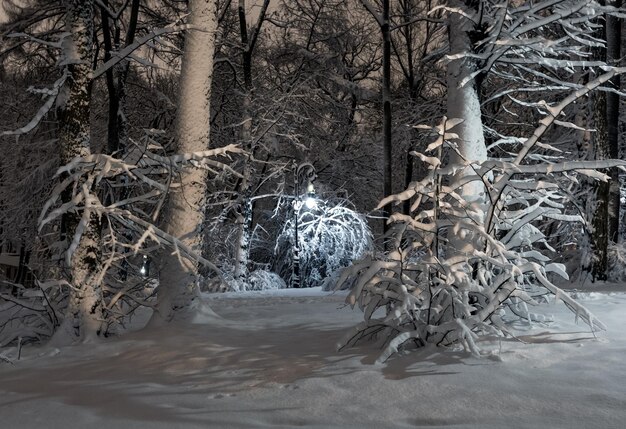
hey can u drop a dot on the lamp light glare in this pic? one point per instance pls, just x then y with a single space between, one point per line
310 203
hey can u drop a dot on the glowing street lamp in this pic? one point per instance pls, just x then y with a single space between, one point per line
145 266
310 202
303 171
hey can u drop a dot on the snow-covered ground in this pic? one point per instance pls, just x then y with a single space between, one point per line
269 360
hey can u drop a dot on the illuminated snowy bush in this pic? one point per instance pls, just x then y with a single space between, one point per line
330 237
256 281
264 280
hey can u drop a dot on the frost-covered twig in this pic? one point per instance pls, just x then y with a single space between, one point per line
52 95
125 198
444 295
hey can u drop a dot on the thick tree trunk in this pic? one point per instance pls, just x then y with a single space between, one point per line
184 212
83 318
463 103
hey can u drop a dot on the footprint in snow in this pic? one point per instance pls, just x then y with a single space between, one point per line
221 395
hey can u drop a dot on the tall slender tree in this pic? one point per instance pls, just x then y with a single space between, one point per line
597 148
84 312
613 58
414 41
384 22
249 36
117 76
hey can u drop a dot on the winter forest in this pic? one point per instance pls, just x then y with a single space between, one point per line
319 213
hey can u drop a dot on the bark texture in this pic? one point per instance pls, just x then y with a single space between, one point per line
463 103
387 175
599 149
463 100
613 57
598 200
84 315
245 216
184 213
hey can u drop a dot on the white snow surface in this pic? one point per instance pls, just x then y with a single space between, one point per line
268 360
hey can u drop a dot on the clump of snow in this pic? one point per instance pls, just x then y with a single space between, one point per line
263 280
256 281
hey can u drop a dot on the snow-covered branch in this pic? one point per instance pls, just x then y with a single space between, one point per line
52 95
128 50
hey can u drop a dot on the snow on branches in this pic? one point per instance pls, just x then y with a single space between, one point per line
464 267
472 254
125 198
330 237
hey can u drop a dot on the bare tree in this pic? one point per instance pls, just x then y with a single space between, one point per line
416 37
116 77
384 23
249 36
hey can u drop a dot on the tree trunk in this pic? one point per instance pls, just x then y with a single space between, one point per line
408 176
184 211
463 103
244 222
613 56
387 188
112 123
244 217
407 14
598 201
116 79
84 315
